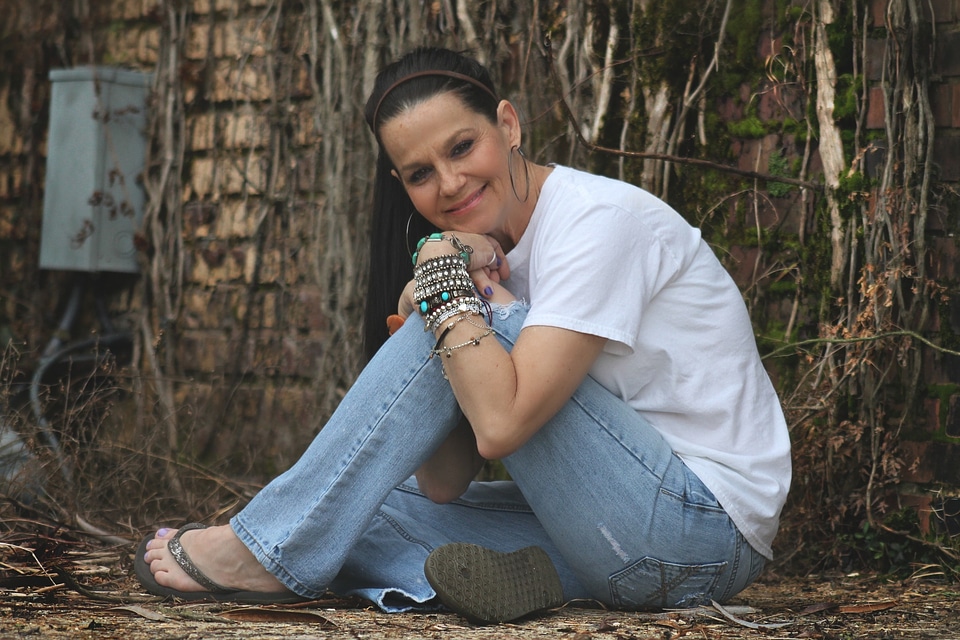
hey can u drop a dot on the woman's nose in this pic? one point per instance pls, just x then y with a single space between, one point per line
450 182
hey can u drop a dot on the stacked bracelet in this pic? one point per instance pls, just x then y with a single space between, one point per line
464 317
437 317
440 277
443 289
448 351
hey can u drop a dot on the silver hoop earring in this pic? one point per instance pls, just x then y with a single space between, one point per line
526 173
406 235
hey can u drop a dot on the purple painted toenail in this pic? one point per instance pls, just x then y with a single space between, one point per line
162 532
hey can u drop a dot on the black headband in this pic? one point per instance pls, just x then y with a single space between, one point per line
432 72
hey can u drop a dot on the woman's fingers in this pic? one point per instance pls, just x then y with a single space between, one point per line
490 289
406 304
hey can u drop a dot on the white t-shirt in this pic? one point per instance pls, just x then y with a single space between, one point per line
606 258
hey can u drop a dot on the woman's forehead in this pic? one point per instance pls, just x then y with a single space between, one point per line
438 116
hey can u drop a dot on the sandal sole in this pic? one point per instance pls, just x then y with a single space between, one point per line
487 587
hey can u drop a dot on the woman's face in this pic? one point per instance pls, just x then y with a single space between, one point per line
453 163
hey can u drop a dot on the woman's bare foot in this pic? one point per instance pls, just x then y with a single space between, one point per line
218 553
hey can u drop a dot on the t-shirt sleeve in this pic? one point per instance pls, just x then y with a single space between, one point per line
596 271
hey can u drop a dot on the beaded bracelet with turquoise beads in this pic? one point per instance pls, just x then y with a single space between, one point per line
422 292
464 302
464 250
430 304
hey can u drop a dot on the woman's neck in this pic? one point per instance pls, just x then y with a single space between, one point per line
510 235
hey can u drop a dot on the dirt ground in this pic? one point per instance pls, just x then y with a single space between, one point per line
87 592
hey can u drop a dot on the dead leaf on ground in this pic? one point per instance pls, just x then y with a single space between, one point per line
746 623
818 607
260 614
142 612
867 608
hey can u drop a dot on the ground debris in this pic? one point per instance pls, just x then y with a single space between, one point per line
95 597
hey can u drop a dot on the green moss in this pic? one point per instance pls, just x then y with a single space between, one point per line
779 166
746 21
845 106
792 15
793 127
750 127
840 38
782 288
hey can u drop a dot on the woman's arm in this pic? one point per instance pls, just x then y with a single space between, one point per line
508 396
449 471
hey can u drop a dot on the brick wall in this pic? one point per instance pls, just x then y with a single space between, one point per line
252 328
254 324
933 451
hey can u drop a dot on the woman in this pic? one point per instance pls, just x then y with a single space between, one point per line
574 327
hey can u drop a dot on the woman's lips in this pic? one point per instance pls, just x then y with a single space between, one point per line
465 205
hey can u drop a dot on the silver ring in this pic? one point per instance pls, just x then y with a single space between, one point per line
493 259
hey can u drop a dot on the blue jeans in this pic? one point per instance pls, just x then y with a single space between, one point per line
623 519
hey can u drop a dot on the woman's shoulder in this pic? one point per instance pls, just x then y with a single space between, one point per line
615 214
574 195
570 185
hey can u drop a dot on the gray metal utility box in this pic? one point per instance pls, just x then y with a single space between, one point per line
93 194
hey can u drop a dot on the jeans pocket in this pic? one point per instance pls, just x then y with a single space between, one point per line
654 584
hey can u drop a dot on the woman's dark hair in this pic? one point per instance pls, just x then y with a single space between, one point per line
395 225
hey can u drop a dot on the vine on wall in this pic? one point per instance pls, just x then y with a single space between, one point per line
821 219
852 250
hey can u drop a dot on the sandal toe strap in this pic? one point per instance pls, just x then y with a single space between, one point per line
180 555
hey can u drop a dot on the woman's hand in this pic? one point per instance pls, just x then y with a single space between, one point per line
406 305
488 268
488 284
486 253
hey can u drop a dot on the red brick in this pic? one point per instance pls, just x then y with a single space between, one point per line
306 310
876 118
955 105
769 106
922 504
729 110
941 101
932 411
741 265
947 62
873 59
769 45
946 153
943 10
917 467
878 12
747 158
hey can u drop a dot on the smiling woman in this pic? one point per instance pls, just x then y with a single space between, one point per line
454 165
571 325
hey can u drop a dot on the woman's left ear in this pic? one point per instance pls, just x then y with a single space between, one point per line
510 121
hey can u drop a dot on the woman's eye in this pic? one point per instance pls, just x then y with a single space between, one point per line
418 176
462 147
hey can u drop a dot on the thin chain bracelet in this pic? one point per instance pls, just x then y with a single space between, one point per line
466 317
448 351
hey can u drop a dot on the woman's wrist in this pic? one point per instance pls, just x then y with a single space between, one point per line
441 244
